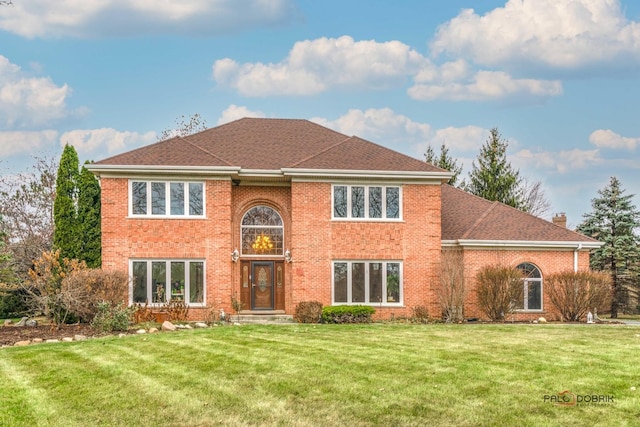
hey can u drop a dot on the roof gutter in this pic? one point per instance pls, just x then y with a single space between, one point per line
576 246
347 173
99 170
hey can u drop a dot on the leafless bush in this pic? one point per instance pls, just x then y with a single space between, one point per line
574 294
82 290
499 289
451 290
308 312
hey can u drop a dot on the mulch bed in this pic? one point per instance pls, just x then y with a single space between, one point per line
9 335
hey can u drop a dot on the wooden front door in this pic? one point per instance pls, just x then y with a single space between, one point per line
262 296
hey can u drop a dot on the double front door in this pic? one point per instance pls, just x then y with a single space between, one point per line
262 285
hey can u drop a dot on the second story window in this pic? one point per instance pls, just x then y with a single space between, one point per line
366 202
166 198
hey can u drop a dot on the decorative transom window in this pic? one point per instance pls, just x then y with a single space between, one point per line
170 199
262 232
367 282
159 281
532 282
366 202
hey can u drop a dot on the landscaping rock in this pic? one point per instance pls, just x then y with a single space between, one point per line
37 340
67 339
542 320
22 343
79 338
8 322
121 335
141 331
31 323
51 341
153 330
201 325
22 322
168 326
188 327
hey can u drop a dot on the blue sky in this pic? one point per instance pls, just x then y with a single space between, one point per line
559 78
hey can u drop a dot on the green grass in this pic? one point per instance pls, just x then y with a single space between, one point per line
305 375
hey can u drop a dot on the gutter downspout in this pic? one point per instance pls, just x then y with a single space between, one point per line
575 258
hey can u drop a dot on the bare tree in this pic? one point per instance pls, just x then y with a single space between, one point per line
195 124
534 200
6 3
451 290
26 212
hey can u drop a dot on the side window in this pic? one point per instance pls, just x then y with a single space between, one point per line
166 199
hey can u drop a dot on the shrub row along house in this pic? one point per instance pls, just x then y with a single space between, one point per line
273 212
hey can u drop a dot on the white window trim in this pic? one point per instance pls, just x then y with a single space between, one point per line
366 203
168 262
167 189
525 299
367 287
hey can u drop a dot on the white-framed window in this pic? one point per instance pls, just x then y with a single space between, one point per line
367 282
156 282
532 282
366 202
166 198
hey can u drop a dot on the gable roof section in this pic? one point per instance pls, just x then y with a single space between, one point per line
271 145
472 220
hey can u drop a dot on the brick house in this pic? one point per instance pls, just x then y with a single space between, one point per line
273 212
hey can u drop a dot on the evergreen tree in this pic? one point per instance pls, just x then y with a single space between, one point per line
614 220
493 178
445 161
66 235
89 219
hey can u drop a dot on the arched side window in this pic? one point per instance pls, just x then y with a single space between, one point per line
532 282
262 232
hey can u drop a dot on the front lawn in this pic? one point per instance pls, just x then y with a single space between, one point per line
306 375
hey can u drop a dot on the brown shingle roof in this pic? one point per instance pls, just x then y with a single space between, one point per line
271 144
468 217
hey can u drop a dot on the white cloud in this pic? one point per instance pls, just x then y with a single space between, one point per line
464 139
28 100
608 139
561 161
486 85
93 140
17 142
81 18
378 125
235 112
314 66
564 34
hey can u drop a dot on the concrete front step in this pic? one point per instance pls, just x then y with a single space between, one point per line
263 318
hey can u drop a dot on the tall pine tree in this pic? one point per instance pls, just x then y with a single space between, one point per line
614 220
444 161
493 178
66 234
89 218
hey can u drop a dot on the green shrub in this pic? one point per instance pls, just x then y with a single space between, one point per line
112 317
12 303
308 312
347 314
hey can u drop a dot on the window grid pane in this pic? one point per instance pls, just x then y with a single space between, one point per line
393 202
196 282
357 202
177 198
140 294
340 202
340 283
159 279
196 206
375 202
139 198
357 282
158 198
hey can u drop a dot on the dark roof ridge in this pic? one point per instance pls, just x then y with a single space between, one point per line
322 151
480 219
204 150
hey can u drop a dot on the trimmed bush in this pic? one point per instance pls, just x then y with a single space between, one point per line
574 294
499 290
308 312
347 314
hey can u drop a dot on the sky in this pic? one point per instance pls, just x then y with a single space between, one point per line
560 79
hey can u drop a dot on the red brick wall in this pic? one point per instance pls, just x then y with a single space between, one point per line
548 262
317 241
314 240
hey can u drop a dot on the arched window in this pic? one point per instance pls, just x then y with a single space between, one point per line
532 281
262 232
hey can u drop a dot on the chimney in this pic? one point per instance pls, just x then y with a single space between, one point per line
560 219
